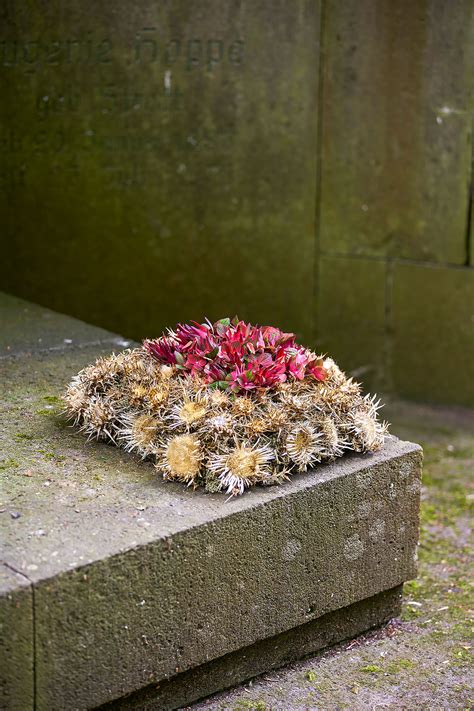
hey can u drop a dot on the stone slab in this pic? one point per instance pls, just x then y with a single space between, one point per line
136 580
30 328
264 655
433 333
16 640
396 129
158 159
351 323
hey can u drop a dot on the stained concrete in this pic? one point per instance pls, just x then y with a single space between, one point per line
136 581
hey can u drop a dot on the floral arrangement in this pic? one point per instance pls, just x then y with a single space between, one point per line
225 405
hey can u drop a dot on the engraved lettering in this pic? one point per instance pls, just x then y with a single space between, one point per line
31 52
53 53
193 55
145 46
73 51
173 51
236 52
215 53
103 51
9 53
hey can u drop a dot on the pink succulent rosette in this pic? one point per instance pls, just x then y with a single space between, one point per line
236 355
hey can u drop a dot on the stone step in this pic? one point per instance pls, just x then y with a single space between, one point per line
121 589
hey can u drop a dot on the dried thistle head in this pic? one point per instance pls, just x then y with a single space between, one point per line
76 399
242 466
180 458
277 418
99 419
295 405
217 425
157 395
137 364
302 445
331 442
188 412
334 373
243 406
137 393
102 374
219 398
138 433
258 426
167 372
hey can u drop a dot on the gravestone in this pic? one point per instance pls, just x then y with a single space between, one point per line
161 156
119 588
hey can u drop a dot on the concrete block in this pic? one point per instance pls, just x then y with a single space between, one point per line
351 316
397 105
149 593
433 332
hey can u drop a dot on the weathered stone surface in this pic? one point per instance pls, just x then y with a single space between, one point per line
136 580
30 328
159 159
265 654
433 333
397 119
351 316
16 640
470 257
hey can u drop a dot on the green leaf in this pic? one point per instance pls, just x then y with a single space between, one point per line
224 321
219 384
212 354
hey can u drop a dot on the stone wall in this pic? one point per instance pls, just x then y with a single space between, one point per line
395 278
306 164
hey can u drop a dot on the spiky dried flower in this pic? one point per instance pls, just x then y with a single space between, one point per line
180 458
218 398
243 465
188 413
331 443
219 424
302 444
138 433
99 420
243 406
76 399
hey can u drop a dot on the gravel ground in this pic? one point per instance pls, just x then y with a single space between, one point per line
422 660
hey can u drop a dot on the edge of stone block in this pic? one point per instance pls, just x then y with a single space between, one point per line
264 655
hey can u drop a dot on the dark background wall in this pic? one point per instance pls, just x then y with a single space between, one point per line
307 164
